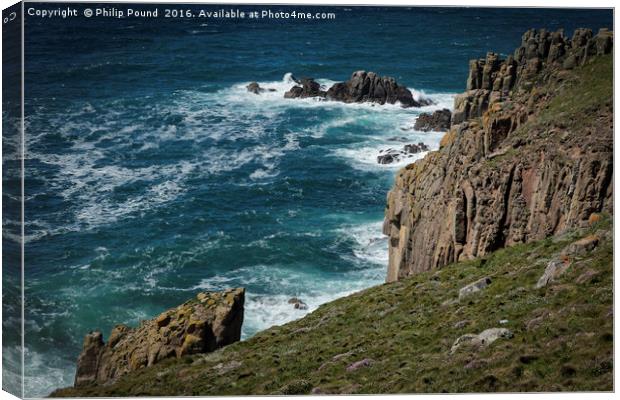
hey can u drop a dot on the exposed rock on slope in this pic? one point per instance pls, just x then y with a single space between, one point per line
398 337
206 323
528 155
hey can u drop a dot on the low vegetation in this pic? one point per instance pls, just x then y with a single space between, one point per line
397 337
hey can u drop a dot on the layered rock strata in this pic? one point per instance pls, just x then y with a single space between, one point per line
507 173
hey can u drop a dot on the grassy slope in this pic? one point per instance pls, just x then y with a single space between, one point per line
408 327
563 334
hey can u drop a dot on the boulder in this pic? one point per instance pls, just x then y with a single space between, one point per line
366 362
555 268
461 324
255 88
437 121
581 246
587 277
203 324
296 387
488 336
466 339
474 287
482 339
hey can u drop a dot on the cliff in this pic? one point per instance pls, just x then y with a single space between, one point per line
516 209
529 154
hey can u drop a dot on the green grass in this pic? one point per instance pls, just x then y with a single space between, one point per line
580 95
563 333
408 327
566 105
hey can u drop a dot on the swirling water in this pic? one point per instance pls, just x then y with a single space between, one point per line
153 174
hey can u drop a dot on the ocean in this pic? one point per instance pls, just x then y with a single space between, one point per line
153 174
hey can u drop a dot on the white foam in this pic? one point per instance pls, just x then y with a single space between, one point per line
88 174
370 243
388 125
264 309
41 376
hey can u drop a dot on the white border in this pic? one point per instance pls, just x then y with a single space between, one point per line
445 3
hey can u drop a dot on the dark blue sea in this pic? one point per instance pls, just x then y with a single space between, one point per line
152 174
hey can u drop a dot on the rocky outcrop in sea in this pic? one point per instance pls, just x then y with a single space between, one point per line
255 88
515 165
309 88
369 87
362 87
203 324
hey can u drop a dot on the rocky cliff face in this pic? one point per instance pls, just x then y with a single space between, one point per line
529 154
201 325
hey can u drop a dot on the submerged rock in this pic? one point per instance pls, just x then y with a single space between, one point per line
390 156
298 303
208 322
416 148
255 88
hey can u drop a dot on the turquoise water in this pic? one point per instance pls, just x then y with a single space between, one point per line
152 174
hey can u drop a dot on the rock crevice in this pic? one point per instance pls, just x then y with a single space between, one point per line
505 172
204 324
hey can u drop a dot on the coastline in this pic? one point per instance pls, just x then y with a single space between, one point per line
183 181
575 257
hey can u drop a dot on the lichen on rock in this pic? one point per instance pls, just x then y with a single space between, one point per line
208 322
525 157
